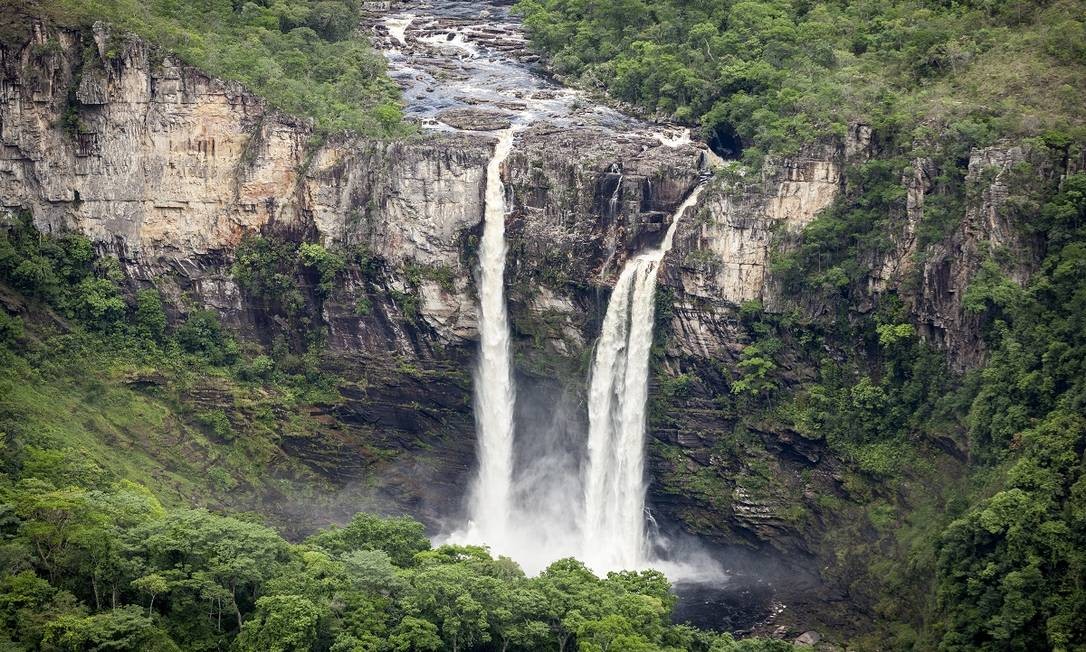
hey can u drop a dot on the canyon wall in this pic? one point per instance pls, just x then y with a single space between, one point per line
170 170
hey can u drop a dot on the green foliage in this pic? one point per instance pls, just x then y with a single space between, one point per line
1011 571
326 265
283 623
757 365
1039 350
989 290
286 278
125 628
150 315
780 74
11 328
304 56
267 268
408 303
62 272
401 538
202 334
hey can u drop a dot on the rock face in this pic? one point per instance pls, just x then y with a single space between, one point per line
725 252
171 170
999 178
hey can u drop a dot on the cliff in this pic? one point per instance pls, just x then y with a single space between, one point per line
170 171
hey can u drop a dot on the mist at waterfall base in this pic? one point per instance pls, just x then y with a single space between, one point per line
546 521
545 498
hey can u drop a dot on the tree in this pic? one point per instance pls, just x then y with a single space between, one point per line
54 521
400 537
153 585
235 556
569 591
415 635
282 623
756 367
150 315
372 571
445 594
203 334
125 629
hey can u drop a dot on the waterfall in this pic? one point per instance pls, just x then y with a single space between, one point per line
614 528
490 501
613 203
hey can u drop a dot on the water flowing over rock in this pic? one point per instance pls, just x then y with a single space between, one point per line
614 532
490 501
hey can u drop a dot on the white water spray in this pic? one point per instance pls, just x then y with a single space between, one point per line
491 497
614 528
397 27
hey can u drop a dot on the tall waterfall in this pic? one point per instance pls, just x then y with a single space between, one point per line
614 528
490 502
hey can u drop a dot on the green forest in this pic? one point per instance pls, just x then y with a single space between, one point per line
778 74
131 513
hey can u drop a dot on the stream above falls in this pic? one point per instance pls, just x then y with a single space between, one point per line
466 65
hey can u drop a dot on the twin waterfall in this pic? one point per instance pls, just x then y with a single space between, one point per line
614 527
607 531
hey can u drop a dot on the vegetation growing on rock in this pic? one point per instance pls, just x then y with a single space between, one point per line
304 56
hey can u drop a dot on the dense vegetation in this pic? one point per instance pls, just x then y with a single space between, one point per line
780 73
1011 571
90 565
100 548
304 56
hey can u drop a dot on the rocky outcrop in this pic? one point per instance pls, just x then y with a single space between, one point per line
724 253
169 169
1002 183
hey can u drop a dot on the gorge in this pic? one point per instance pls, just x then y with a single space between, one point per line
493 279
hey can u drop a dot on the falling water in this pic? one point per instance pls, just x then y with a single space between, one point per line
614 528
613 203
490 502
